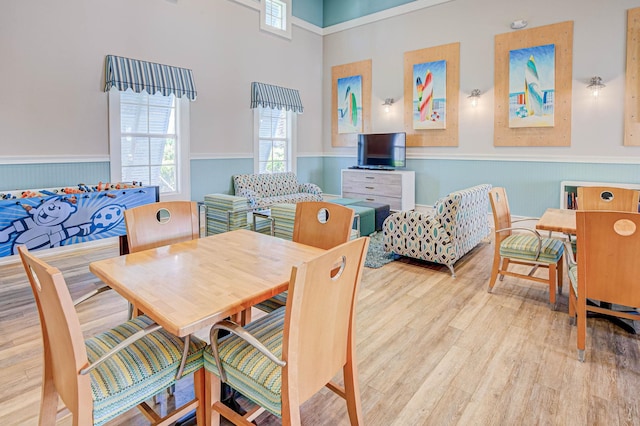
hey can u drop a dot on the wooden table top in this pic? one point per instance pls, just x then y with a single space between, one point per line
189 286
558 220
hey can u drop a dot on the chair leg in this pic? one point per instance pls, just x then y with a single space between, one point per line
553 274
560 266
494 272
453 273
505 266
211 396
199 392
581 319
352 394
572 306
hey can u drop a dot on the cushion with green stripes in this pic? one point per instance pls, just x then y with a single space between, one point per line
276 302
249 371
523 246
137 372
573 277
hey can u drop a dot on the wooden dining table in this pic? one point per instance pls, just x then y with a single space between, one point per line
189 286
558 220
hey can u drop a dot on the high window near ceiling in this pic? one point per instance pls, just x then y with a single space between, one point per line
275 110
149 125
275 17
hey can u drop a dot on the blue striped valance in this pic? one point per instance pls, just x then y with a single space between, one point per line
276 97
125 73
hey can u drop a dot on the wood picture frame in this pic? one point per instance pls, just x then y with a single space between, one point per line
632 80
361 68
560 35
433 137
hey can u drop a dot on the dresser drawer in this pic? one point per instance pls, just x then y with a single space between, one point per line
368 188
379 178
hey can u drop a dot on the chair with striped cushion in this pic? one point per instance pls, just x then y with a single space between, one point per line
527 248
282 359
108 374
319 224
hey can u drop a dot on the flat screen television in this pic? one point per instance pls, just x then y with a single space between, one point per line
382 150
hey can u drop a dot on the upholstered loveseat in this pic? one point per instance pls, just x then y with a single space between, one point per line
263 190
459 223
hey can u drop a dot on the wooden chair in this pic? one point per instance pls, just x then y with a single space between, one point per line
528 248
607 198
318 224
160 224
282 359
108 374
607 269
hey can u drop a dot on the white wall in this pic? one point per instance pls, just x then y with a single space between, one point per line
52 57
599 48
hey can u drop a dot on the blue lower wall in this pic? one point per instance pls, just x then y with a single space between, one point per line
532 186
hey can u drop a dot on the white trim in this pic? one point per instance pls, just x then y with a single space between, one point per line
53 159
222 156
307 26
383 14
253 4
519 158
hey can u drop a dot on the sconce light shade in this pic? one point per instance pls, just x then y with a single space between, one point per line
595 85
474 97
388 102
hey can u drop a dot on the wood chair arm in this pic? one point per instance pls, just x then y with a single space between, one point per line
234 328
90 294
126 342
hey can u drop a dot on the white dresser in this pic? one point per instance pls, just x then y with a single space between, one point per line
394 187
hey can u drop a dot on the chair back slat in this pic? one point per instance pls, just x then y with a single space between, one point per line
608 198
608 245
313 228
320 318
501 213
63 343
159 224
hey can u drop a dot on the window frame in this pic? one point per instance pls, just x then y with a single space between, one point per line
291 140
286 32
183 175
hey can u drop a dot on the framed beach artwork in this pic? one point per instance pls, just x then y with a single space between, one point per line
430 95
349 108
532 86
350 102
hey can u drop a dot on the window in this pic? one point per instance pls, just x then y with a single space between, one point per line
274 132
275 17
148 142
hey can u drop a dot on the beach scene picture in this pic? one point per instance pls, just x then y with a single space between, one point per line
430 95
350 104
532 86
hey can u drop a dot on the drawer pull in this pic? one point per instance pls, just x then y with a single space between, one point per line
370 177
370 199
369 187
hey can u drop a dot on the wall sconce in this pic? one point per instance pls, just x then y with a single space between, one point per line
595 85
474 97
387 104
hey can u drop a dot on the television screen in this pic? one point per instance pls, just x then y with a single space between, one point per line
382 150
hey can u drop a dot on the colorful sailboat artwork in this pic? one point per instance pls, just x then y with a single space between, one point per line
429 95
349 108
532 87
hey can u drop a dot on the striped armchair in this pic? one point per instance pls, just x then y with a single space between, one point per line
459 223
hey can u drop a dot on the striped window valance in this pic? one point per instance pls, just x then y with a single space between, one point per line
125 73
268 95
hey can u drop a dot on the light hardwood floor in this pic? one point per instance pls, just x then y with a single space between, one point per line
432 350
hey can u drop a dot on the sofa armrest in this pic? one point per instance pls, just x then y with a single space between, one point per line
310 188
